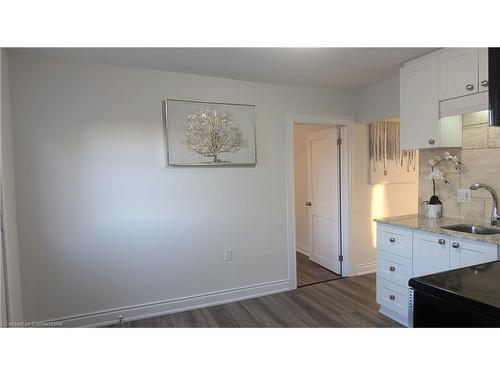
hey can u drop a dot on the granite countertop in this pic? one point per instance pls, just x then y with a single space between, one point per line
423 223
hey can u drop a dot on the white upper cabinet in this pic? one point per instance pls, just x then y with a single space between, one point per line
448 82
458 72
483 69
419 103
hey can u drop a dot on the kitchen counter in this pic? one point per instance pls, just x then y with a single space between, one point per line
423 223
466 297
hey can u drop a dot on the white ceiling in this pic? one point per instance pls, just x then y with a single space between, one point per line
347 68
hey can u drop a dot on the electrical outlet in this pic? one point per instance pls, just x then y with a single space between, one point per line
228 255
463 195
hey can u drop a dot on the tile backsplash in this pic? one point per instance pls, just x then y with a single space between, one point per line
480 156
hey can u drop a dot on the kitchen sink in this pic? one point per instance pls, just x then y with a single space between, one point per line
473 229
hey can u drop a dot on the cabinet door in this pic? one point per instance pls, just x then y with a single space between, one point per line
465 253
458 72
431 253
419 104
483 69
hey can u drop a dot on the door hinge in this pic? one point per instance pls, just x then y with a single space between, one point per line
339 141
341 258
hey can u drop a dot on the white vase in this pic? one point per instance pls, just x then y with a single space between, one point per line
433 211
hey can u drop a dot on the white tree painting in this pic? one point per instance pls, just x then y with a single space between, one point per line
210 133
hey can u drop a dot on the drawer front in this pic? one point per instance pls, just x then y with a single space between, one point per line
394 240
394 268
392 296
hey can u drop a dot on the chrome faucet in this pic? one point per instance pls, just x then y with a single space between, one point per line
494 211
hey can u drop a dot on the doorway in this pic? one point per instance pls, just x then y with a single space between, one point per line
317 183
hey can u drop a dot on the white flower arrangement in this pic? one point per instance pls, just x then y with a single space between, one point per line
453 159
437 175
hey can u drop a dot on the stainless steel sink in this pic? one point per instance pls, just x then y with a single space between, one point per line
473 229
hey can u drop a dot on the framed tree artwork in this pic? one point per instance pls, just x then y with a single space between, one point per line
209 134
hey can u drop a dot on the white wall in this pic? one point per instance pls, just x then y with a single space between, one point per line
300 133
9 197
378 101
373 201
103 225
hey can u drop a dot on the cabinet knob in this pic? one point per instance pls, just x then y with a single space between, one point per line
392 268
484 83
392 239
441 241
456 245
392 297
431 141
469 87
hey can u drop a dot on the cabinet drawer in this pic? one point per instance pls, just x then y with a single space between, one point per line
394 240
394 268
392 296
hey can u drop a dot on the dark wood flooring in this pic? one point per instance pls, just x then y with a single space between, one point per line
309 272
347 302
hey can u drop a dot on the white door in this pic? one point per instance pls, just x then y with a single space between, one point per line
458 72
419 104
323 162
431 253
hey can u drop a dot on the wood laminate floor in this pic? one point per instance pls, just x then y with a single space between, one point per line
347 302
309 272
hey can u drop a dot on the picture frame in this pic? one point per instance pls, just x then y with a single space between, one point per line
209 134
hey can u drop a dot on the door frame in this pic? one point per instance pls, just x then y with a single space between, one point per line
345 124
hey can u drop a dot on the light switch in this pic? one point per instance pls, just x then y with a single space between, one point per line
463 195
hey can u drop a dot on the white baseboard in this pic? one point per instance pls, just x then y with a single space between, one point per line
302 248
102 318
363 269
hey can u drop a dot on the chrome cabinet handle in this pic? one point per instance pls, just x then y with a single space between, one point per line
392 268
392 239
456 245
484 83
308 204
431 141
469 87
441 241
392 297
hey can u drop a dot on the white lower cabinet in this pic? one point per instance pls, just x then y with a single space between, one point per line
405 253
465 253
394 268
393 298
431 253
